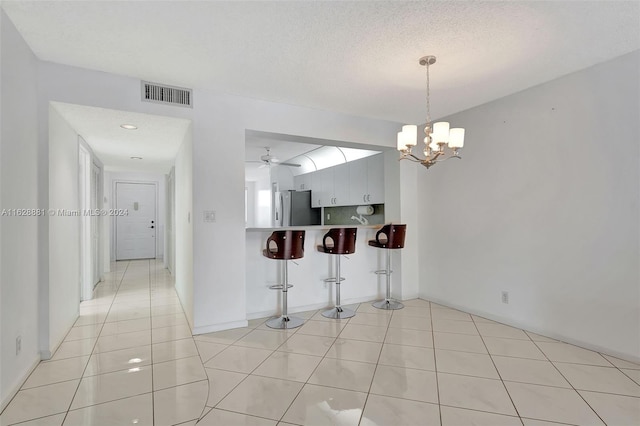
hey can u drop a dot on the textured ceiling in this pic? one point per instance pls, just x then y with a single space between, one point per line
353 57
157 139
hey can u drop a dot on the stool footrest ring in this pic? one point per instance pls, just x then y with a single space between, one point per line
333 280
279 286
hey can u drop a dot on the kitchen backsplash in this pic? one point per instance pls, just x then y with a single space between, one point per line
342 215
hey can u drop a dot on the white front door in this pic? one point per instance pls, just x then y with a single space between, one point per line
136 231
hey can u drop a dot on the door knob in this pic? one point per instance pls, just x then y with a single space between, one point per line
152 227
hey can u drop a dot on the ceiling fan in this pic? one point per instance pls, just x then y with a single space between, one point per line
269 160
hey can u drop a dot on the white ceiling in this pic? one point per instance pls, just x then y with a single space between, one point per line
354 57
157 139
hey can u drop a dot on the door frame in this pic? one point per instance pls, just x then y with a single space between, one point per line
96 195
84 192
114 219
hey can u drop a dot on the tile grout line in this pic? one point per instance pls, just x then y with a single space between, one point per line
567 380
153 398
498 371
94 345
435 361
316 367
247 374
375 370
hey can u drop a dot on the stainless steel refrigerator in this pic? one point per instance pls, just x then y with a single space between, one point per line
293 208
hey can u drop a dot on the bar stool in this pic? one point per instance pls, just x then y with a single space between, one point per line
394 239
343 242
284 246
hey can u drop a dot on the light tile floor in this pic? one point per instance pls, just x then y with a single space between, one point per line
130 359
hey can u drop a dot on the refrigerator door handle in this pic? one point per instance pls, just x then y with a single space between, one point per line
282 209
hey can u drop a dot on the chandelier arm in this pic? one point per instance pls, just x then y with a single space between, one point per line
436 155
411 157
418 159
449 158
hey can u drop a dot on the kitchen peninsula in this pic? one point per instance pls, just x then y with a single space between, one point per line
307 274
347 194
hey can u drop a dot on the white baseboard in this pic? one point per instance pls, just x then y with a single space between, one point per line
219 327
17 384
543 332
304 308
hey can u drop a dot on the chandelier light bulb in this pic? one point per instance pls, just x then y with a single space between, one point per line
401 145
441 132
411 134
456 138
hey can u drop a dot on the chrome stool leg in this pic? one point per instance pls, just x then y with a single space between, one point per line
338 312
388 303
284 321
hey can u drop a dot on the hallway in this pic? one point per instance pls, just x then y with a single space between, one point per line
131 359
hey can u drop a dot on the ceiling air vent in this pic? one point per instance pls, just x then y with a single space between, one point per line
152 92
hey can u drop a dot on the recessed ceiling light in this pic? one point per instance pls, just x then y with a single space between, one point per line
136 158
128 126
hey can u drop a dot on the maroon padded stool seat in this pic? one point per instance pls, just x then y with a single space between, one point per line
284 246
342 241
389 237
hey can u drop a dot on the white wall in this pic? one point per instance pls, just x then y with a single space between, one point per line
2 402
18 189
170 234
161 201
64 231
219 123
544 205
183 226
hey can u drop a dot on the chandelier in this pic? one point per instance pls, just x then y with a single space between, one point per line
438 135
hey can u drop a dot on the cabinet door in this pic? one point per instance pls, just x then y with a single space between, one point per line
326 183
306 182
341 185
298 182
375 179
358 182
315 185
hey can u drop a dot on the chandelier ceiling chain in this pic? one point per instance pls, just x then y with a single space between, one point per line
428 95
437 135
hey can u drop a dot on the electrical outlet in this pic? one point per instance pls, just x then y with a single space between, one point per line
505 297
18 345
209 215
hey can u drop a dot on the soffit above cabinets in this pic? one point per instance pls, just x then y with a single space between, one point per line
325 157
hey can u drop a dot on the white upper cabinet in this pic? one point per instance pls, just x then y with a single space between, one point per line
366 180
326 185
358 182
303 182
341 185
375 179
353 183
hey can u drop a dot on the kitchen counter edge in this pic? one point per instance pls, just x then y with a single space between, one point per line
312 227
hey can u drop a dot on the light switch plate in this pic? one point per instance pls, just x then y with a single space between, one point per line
209 215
